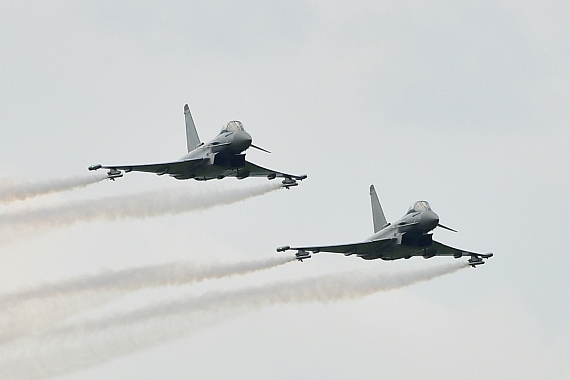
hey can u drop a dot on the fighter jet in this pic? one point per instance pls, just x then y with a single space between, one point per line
221 157
409 236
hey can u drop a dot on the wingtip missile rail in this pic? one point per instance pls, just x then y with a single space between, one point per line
291 181
288 183
478 259
300 255
114 173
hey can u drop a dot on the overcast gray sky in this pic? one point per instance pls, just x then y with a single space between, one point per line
464 104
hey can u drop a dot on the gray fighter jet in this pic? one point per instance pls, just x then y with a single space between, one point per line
221 157
409 236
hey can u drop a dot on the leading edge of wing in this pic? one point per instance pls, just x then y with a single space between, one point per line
359 249
173 167
445 250
258 171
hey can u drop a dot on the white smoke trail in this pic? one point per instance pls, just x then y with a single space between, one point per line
141 205
327 288
12 189
81 345
34 309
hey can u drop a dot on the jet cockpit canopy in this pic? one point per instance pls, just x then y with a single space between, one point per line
419 206
233 126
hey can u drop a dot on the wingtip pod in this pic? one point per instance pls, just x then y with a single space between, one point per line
289 182
478 259
114 173
302 255
95 167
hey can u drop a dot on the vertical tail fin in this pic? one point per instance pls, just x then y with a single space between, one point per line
192 139
377 214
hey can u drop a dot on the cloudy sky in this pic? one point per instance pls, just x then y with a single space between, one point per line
464 104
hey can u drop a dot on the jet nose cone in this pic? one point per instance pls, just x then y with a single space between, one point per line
241 141
429 221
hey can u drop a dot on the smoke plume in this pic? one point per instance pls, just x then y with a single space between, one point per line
138 205
83 344
33 309
16 190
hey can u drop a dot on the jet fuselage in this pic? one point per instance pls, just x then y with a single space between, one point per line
232 142
221 157
419 222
